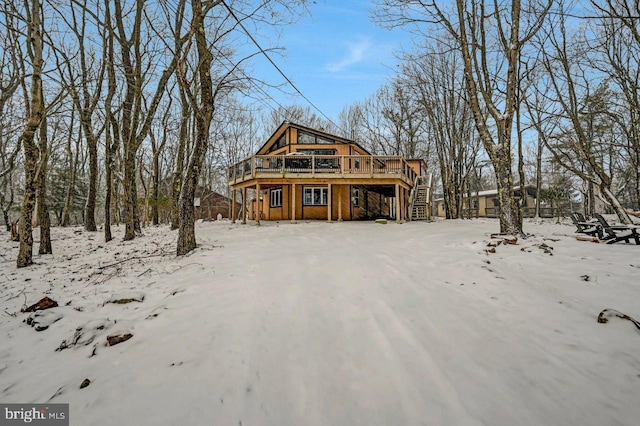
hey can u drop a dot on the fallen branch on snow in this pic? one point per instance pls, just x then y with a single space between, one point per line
604 316
130 259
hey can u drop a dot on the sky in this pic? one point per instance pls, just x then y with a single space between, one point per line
336 56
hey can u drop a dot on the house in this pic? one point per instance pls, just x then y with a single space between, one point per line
304 173
485 204
208 204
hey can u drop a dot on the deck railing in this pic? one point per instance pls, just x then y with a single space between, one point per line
327 165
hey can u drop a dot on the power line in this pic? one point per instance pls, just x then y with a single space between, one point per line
264 53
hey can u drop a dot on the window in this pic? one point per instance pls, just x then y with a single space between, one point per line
279 144
355 197
315 196
275 197
317 151
310 138
356 162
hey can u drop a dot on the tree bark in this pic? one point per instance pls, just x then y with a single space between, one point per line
178 172
110 124
130 194
35 116
203 116
90 206
538 176
73 161
42 210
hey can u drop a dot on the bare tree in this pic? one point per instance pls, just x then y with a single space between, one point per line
582 111
10 80
34 100
157 147
72 159
83 79
490 70
42 209
435 75
203 107
216 77
135 119
112 132
618 56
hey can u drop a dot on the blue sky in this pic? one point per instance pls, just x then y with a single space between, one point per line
336 56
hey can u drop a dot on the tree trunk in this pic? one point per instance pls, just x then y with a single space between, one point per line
108 180
203 116
36 114
177 174
6 207
7 223
64 216
186 229
43 210
615 205
155 191
130 195
538 176
112 134
509 217
500 152
591 200
523 188
90 206
637 170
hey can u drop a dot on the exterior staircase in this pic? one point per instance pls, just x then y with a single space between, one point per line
420 198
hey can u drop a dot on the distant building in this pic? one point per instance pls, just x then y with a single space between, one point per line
485 204
209 204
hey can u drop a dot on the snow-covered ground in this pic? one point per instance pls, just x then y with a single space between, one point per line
327 324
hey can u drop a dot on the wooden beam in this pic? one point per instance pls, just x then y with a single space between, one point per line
329 203
293 203
244 206
258 204
405 204
340 195
306 179
397 202
233 206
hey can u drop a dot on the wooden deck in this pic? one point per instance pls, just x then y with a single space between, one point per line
321 167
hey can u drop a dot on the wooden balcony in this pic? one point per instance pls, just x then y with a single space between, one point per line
321 167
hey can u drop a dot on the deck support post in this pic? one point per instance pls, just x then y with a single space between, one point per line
244 205
397 203
405 205
292 199
233 206
329 202
340 194
258 204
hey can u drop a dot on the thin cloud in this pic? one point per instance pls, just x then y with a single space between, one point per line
356 52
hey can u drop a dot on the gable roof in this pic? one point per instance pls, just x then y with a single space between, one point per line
287 124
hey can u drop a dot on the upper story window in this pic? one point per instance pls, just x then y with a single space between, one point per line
317 151
310 138
282 141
